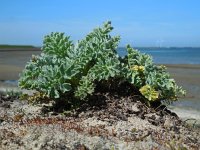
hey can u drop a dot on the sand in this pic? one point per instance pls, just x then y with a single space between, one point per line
187 76
12 62
116 122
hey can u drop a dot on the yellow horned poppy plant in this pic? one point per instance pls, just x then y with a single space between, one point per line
148 92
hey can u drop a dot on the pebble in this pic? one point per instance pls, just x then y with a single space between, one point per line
134 108
168 123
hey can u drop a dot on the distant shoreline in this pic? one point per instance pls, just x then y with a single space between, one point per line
7 47
16 46
29 47
20 49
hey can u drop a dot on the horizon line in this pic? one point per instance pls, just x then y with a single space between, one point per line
2 46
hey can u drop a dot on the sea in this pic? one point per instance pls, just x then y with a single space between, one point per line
161 55
171 55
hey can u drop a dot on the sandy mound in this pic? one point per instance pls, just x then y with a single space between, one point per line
106 121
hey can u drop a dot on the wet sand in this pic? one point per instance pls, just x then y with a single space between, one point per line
12 61
187 76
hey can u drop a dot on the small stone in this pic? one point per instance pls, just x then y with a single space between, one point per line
106 119
81 114
168 123
1 120
152 116
133 130
134 108
5 105
122 117
50 142
5 142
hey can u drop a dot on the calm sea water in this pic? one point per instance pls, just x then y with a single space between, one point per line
170 55
160 55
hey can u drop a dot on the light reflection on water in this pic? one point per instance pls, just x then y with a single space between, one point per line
188 104
11 82
170 55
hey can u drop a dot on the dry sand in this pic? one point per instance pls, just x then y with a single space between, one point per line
116 122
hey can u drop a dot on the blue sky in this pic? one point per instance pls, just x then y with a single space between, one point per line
139 22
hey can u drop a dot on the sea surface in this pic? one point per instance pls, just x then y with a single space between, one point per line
160 55
170 55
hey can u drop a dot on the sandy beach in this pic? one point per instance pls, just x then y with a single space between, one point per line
187 76
12 61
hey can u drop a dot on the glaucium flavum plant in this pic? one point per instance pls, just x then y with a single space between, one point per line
68 69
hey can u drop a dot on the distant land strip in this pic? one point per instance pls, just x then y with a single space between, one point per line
15 46
19 48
